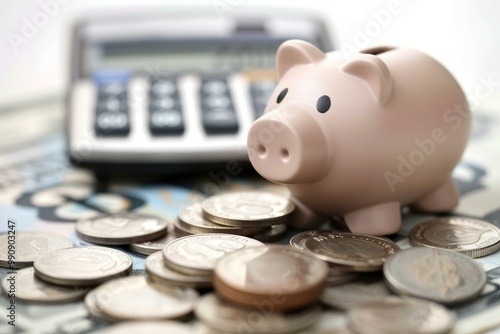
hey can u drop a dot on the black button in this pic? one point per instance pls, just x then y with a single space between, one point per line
111 112
220 121
166 122
112 123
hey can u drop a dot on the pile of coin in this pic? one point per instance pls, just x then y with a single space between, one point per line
371 271
257 214
368 277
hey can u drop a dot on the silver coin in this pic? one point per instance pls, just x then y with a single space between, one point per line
22 248
191 219
396 315
91 306
197 254
159 273
353 294
82 266
435 274
226 317
333 280
121 228
272 233
472 237
359 251
135 327
153 246
134 298
248 209
26 287
298 240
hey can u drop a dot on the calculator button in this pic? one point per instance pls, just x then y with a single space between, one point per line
111 104
165 102
218 115
215 87
220 121
217 101
163 87
111 113
261 92
112 123
165 122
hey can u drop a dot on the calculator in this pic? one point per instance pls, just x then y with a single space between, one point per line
174 93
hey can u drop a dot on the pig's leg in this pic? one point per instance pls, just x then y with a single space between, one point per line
381 219
304 218
442 199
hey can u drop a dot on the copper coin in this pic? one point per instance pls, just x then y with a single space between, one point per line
252 275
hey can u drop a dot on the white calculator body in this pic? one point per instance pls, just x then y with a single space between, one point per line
174 93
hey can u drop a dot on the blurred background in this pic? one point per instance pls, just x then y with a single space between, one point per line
463 35
39 47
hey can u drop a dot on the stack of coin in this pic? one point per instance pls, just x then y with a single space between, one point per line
257 214
472 237
288 278
159 273
189 261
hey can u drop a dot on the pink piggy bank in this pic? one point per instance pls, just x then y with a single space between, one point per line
361 137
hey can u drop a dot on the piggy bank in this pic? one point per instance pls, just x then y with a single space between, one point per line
361 137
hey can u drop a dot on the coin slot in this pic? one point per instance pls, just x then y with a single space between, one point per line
262 151
285 155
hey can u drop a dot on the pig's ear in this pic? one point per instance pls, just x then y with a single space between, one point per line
295 52
374 72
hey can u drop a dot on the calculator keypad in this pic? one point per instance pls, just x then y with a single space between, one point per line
164 110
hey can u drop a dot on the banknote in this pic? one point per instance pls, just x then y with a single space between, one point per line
39 190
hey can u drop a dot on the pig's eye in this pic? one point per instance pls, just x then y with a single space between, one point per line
323 104
282 95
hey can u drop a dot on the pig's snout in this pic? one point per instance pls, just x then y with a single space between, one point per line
288 146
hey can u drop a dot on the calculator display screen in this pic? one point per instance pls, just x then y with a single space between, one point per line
186 54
